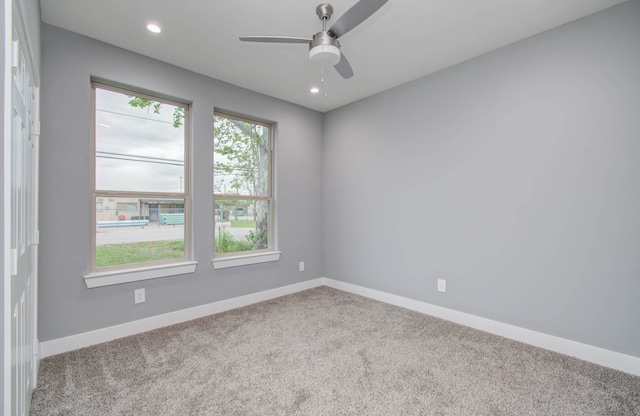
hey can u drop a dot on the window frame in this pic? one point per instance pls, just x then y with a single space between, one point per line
239 258
147 270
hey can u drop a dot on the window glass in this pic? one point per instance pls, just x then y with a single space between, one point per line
242 178
139 143
140 153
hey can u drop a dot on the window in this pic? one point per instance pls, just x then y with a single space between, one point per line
242 186
140 159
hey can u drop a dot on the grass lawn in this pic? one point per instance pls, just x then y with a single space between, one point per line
118 254
243 223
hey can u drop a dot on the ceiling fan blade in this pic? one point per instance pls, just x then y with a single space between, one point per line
354 16
344 67
274 39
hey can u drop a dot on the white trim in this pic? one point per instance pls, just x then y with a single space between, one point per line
115 277
585 352
6 206
28 44
246 259
596 355
86 339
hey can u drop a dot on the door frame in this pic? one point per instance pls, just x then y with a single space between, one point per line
14 18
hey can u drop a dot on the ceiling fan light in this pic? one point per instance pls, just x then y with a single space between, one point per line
328 54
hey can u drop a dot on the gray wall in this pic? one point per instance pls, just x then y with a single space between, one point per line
515 176
67 307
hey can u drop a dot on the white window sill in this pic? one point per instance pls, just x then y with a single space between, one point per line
116 277
245 259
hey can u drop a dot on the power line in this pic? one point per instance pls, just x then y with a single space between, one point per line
136 158
134 116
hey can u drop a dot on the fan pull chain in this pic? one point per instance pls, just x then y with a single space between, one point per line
323 74
325 83
326 88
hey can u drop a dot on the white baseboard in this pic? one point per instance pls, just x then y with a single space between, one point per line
585 352
600 356
86 339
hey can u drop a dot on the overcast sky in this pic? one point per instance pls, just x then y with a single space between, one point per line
138 133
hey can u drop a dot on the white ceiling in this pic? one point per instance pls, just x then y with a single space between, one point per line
404 40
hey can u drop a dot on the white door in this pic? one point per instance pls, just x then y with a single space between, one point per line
23 171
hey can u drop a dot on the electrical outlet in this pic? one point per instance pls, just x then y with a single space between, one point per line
301 266
442 285
138 296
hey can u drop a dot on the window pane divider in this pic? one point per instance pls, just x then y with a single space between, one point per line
132 194
241 197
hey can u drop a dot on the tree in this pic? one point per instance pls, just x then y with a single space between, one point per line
241 162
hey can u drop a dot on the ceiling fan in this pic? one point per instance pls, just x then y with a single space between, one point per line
325 45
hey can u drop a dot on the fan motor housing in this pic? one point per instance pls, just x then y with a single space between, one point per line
323 38
324 47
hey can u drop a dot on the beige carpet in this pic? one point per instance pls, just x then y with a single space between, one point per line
326 352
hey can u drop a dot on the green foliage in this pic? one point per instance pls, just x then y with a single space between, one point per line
178 112
143 252
259 240
240 149
145 103
225 243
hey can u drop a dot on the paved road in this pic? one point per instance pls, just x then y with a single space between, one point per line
153 232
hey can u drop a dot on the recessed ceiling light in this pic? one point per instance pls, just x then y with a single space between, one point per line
154 28
314 90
